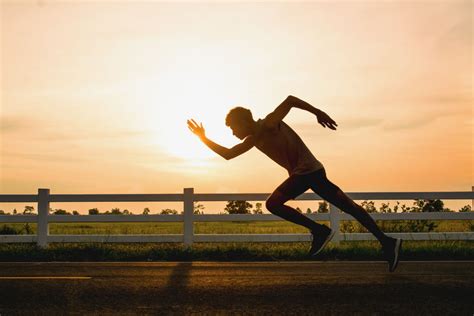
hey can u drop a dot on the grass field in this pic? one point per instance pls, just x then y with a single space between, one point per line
360 250
262 227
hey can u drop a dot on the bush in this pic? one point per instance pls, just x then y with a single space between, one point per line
7 230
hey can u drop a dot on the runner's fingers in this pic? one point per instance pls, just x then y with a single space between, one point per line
191 125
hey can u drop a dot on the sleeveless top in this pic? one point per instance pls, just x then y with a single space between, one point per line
286 148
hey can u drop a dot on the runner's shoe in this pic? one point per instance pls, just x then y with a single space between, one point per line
391 252
320 240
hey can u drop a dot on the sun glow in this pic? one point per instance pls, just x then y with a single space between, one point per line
195 88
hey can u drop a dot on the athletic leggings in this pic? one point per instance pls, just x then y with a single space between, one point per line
320 184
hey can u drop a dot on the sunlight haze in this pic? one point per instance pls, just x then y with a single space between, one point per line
95 95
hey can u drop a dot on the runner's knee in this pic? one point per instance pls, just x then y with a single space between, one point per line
337 197
275 201
272 204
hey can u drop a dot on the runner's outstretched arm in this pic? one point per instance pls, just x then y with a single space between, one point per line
282 110
226 153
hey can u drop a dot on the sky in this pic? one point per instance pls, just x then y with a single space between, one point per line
95 94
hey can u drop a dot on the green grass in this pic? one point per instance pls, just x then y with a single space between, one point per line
360 250
263 227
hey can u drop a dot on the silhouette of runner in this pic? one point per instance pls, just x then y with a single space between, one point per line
279 142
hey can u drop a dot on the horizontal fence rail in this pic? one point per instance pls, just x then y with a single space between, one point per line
188 218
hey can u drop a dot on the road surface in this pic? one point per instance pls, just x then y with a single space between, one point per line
260 288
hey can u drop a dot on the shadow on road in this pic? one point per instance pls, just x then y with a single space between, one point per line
179 279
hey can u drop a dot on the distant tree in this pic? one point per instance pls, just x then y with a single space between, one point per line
298 210
126 212
198 208
417 206
168 211
2 212
308 211
433 206
420 205
29 210
369 206
94 211
115 211
258 208
395 207
8 230
146 211
14 211
238 207
405 208
60 212
465 208
323 207
385 208
75 213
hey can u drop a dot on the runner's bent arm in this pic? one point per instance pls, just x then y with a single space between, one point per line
229 153
274 118
226 153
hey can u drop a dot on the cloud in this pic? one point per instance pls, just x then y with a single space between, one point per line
362 122
96 134
37 129
449 99
9 124
459 33
424 119
346 123
411 123
54 157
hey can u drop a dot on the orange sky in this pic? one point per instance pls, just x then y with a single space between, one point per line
95 96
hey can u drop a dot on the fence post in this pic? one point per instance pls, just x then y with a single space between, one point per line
43 211
188 216
334 216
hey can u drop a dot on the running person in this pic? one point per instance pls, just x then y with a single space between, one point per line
279 142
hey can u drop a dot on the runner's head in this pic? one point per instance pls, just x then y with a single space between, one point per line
241 122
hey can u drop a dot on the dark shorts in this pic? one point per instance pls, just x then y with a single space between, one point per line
297 184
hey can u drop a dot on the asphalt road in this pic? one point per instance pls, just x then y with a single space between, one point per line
260 288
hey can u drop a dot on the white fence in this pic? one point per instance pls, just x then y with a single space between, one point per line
188 197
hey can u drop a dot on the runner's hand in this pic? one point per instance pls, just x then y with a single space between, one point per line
198 130
325 120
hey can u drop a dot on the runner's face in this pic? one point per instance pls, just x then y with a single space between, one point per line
240 131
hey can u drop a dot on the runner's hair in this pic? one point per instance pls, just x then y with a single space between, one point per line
238 114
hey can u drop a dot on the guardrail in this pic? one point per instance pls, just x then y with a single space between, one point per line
188 197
